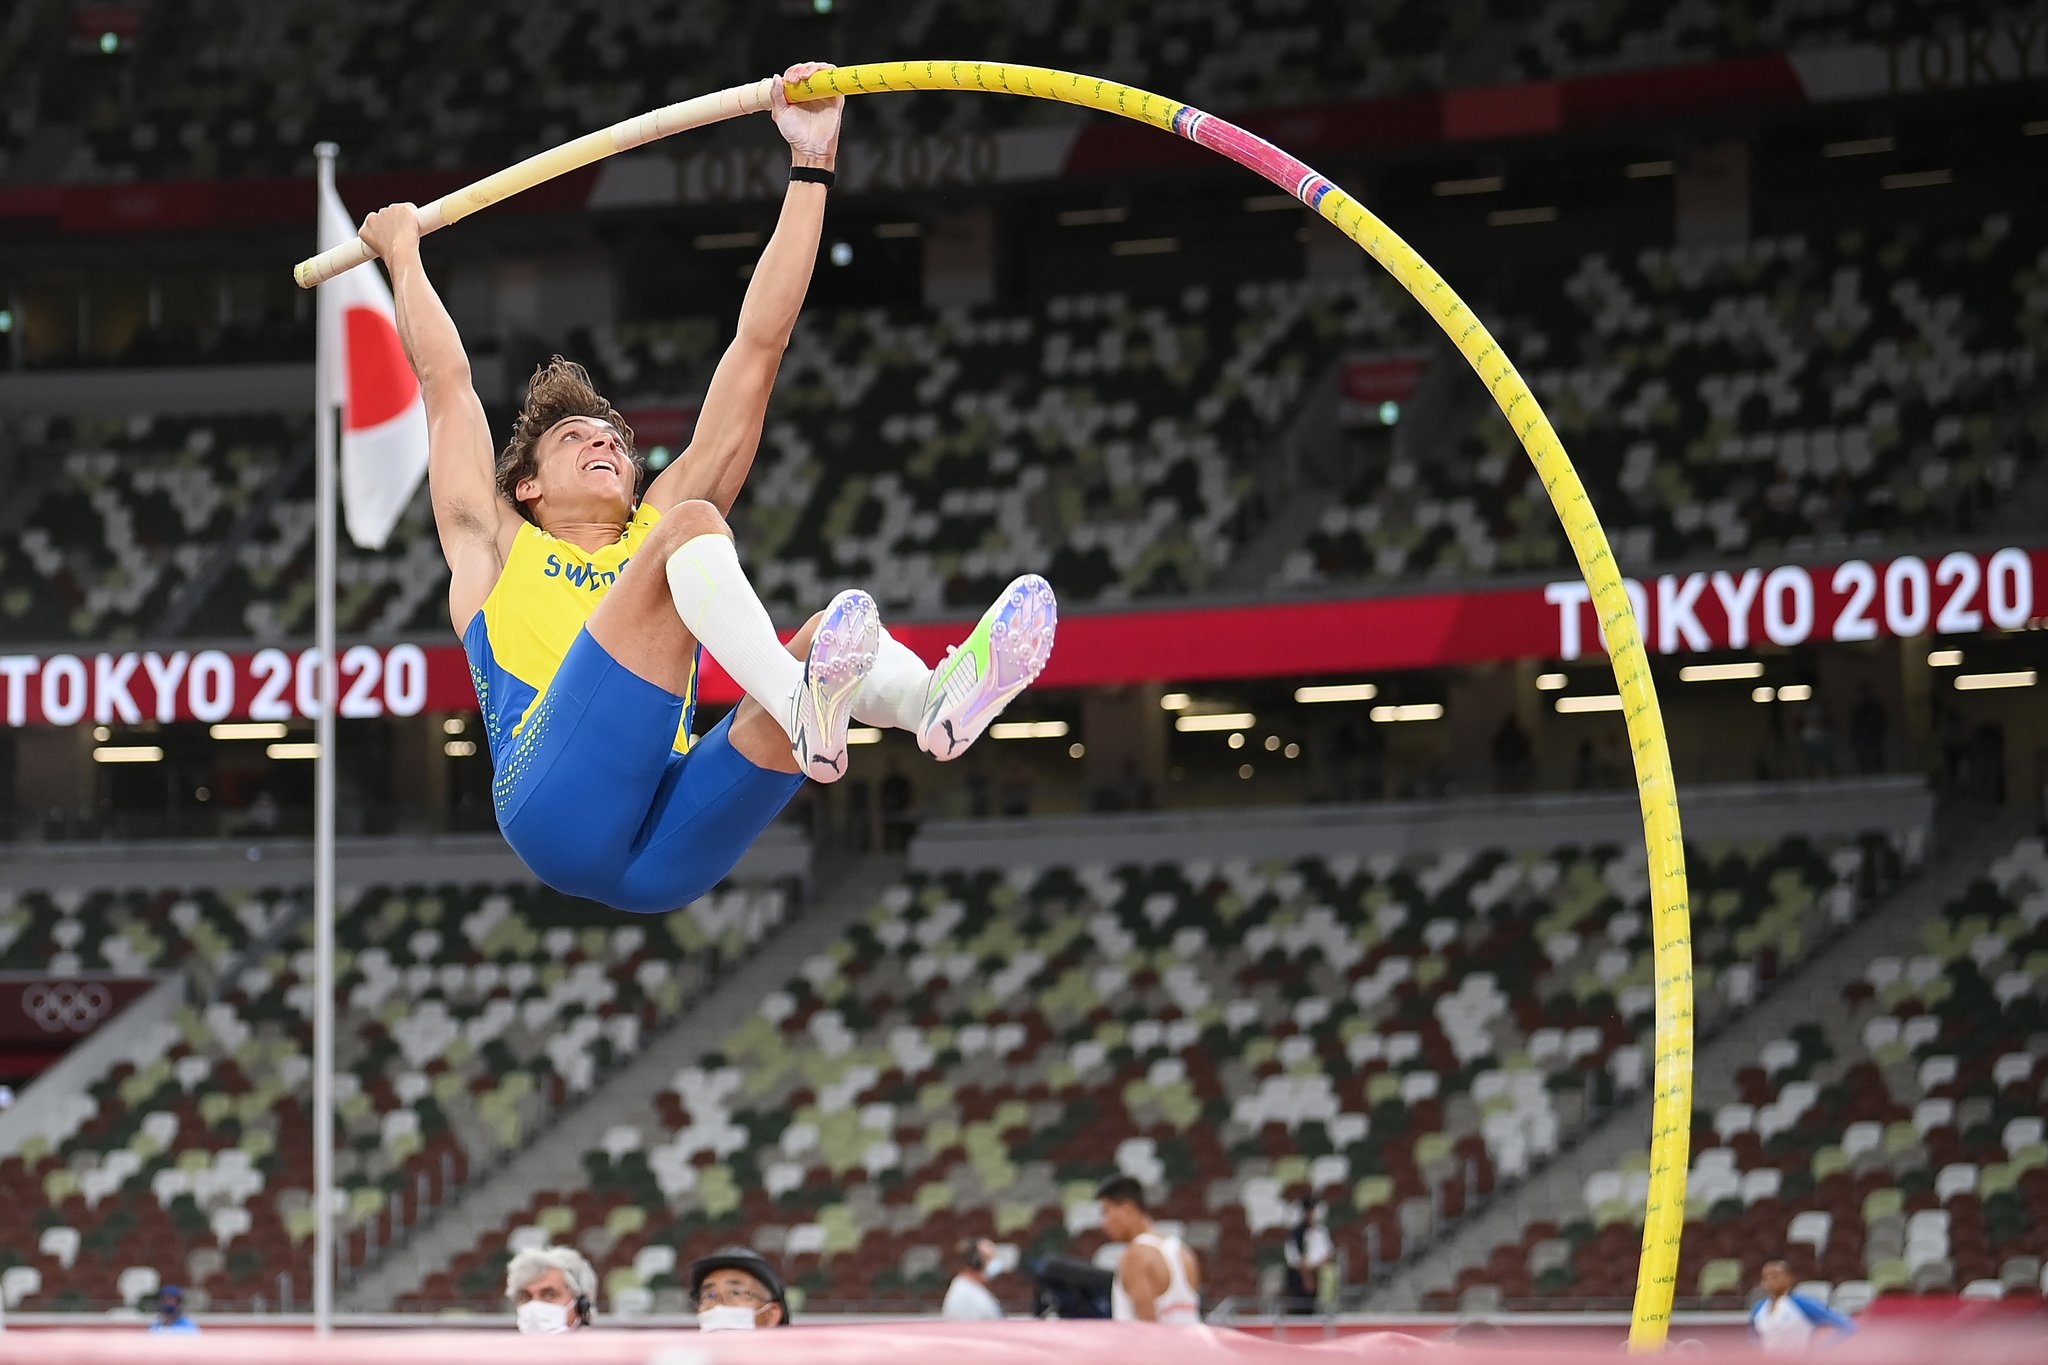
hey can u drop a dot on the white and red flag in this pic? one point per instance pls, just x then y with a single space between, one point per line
363 370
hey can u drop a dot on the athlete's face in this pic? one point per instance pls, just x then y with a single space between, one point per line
1121 1220
581 469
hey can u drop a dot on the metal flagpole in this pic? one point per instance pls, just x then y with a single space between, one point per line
326 404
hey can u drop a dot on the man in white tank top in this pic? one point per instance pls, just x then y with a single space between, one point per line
1158 1279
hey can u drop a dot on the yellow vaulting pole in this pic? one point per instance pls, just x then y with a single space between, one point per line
1664 1215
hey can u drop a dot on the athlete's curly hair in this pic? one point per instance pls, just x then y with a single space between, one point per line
561 388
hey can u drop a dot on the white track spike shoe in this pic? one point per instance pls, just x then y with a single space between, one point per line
982 674
842 652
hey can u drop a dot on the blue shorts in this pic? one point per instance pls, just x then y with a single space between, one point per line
595 800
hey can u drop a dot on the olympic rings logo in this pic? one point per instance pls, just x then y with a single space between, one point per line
66 1006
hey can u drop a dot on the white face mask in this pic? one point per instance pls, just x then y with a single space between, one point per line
726 1317
998 1264
542 1319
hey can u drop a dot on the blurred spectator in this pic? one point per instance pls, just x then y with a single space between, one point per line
981 801
1785 1321
898 821
170 1312
1816 741
1511 749
1867 726
1585 768
1158 1279
552 1289
1129 792
1955 750
736 1289
1308 1250
968 1297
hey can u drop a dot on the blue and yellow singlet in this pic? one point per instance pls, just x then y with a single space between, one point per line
538 606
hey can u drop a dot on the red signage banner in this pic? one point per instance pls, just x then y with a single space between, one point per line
1369 383
1786 606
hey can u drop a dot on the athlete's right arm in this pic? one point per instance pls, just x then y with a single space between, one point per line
476 524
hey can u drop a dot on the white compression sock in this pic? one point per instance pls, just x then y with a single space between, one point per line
893 692
719 605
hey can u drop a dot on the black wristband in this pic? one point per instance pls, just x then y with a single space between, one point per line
812 175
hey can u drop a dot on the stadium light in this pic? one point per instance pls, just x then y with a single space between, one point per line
1292 751
1763 694
1094 217
1945 658
101 733
1394 715
1574 706
1390 413
7 314
1720 672
128 753
863 735
1077 750
1796 692
110 42
460 748
1322 692
1244 770
1551 682
842 253
1223 720
1915 180
1176 701
454 725
1986 682
249 729
1478 184
1237 740
1028 729
293 752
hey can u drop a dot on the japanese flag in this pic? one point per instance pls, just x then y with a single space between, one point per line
363 369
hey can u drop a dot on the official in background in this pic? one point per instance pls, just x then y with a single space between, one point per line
170 1311
1308 1250
552 1289
736 1289
1785 1321
968 1297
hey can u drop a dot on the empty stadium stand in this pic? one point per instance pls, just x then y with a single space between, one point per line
986 1044
1890 1145
471 1014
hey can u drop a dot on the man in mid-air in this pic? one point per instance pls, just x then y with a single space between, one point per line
581 603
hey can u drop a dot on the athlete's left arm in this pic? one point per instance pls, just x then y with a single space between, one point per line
729 426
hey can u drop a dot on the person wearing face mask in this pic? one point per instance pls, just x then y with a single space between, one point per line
1308 1250
552 1289
736 1289
968 1297
170 1312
